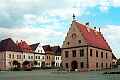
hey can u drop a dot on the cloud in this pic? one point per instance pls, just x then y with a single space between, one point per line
47 21
111 33
32 35
13 11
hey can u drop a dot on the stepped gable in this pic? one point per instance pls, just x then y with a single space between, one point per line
24 46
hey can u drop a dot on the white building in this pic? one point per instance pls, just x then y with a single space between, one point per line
58 60
39 54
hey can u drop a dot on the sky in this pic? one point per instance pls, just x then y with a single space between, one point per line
47 21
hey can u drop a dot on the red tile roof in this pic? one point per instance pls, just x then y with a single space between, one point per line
24 46
93 37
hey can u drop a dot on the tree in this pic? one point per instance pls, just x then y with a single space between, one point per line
15 63
27 65
35 62
26 62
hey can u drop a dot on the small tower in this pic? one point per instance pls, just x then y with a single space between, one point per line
73 17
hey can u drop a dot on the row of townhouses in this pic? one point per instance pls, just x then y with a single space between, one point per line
44 56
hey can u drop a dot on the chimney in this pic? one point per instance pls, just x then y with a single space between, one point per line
95 28
99 29
87 23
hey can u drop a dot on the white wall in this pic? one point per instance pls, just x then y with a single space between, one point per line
39 58
39 49
57 61
28 56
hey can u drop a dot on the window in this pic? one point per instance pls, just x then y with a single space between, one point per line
56 58
81 64
17 56
110 65
74 53
43 57
41 51
90 52
20 56
31 57
106 55
79 41
38 57
47 57
24 56
96 53
13 56
66 65
28 57
106 65
9 55
66 54
101 65
101 54
81 52
97 65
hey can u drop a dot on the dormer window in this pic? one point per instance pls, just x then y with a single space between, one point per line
73 36
79 41
41 51
68 43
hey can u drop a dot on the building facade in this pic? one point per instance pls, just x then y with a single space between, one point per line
9 52
39 55
49 56
85 49
57 53
12 54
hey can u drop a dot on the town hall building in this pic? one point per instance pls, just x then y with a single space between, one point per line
85 49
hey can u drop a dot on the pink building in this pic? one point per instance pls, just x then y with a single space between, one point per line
85 49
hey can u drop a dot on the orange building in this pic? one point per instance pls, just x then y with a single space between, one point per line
49 56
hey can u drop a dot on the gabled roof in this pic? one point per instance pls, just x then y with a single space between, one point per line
47 48
113 56
56 50
24 46
93 37
8 45
34 46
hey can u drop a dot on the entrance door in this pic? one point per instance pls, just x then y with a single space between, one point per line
74 65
